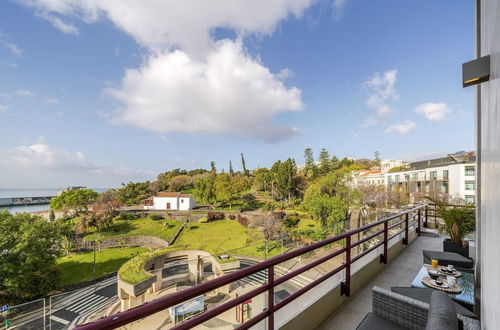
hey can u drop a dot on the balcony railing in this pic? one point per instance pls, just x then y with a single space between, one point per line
387 228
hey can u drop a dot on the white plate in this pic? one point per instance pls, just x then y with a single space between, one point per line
444 285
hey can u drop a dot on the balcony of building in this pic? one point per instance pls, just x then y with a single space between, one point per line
387 253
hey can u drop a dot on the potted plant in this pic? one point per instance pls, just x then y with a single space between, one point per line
459 220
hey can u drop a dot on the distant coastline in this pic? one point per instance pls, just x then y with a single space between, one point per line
34 192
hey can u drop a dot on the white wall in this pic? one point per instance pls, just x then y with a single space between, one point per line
160 203
490 168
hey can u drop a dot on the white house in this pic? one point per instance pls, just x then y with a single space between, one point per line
176 201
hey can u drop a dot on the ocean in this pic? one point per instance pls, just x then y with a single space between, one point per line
11 193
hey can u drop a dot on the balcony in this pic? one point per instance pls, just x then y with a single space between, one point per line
385 253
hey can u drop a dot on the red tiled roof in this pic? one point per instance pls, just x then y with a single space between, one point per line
371 172
171 194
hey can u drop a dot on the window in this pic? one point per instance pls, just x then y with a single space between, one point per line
389 179
470 185
433 175
414 176
469 171
445 187
470 199
396 178
445 174
182 201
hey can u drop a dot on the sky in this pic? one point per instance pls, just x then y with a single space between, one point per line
97 93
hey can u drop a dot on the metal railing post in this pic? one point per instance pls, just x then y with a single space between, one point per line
418 222
383 257
426 215
435 216
405 239
270 298
345 286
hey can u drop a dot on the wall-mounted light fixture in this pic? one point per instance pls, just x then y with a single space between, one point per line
476 72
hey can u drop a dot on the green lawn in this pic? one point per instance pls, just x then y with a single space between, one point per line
226 236
80 267
306 223
164 229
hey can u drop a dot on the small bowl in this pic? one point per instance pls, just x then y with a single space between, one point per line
433 273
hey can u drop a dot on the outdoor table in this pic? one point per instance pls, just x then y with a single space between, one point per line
466 282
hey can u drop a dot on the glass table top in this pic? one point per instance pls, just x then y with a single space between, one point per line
466 282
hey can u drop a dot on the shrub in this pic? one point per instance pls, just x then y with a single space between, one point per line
128 216
243 220
232 217
291 221
214 216
248 197
156 216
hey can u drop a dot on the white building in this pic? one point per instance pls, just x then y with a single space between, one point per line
176 201
387 164
375 176
453 175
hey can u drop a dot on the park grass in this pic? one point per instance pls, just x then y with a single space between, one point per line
164 229
226 236
307 223
80 267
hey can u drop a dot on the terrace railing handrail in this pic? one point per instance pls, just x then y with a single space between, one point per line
159 304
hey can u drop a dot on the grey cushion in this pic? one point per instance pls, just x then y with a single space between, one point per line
448 258
424 295
442 314
373 321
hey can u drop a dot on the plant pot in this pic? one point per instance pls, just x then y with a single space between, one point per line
449 246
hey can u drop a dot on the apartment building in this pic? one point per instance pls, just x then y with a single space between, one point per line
454 175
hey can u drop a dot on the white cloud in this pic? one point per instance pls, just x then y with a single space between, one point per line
51 100
338 6
405 127
59 24
381 95
229 92
433 111
190 82
4 107
44 157
157 24
14 49
6 95
25 92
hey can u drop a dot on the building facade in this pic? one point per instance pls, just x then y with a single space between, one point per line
175 201
454 176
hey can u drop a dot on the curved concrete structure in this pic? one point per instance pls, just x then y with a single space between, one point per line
132 295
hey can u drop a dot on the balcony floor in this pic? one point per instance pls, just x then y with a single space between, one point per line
400 272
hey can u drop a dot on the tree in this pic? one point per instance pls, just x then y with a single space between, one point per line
324 162
213 169
262 179
243 165
29 246
228 188
76 200
285 178
310 166
52 216
104 209
134 193
204 188
376 154
231 171
181 182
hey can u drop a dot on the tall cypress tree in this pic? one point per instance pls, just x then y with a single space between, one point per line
231 168
245 171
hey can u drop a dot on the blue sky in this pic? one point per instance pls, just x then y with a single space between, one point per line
92 96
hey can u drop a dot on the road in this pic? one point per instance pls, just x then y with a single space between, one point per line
67 310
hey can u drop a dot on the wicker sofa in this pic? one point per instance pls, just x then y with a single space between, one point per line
394 311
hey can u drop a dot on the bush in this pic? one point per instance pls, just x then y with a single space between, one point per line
243 221
291 221
214 216
248 197
156 216
232 217
128 216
